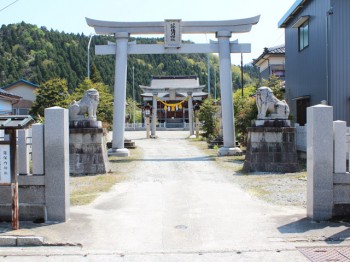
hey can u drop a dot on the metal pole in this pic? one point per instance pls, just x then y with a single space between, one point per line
133 93
208 57
242 84
88 53
214 83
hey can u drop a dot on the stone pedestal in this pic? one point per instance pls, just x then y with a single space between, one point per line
271 148
87 148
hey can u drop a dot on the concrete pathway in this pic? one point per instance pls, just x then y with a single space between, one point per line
178 205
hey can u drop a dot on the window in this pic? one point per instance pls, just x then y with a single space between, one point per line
23 111
304 35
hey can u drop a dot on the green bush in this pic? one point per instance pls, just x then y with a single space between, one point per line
207 115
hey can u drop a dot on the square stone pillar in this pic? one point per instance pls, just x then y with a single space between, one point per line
38 149
320 162
57 164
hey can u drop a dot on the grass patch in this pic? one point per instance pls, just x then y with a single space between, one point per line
85 189
258 191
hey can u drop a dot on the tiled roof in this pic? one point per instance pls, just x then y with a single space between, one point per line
174 81
276 50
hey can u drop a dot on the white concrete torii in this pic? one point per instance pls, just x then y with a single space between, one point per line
172 29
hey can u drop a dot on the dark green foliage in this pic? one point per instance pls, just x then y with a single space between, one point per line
52 93
245 111
207 115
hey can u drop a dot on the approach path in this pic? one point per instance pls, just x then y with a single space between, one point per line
175 205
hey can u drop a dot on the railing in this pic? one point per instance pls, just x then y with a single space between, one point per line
141 126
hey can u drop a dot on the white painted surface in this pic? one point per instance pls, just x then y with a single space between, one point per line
226 89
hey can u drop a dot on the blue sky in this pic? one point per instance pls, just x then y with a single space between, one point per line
69 16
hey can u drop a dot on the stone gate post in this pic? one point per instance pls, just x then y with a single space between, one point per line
57 163
319 162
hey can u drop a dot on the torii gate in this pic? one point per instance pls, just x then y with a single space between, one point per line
172 30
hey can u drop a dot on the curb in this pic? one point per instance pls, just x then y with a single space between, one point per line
20 241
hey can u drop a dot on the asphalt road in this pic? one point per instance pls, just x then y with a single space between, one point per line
175 205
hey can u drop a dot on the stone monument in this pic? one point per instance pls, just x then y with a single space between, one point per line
87 138
271 140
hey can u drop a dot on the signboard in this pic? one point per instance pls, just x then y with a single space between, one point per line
172 34
5 167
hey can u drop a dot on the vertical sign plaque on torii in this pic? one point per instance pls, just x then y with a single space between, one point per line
172 34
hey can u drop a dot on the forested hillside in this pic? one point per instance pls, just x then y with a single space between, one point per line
38 54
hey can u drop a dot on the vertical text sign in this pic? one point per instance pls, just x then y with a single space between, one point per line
5 170
172 36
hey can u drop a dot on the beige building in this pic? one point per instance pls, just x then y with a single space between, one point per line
7 102
271 62
24 89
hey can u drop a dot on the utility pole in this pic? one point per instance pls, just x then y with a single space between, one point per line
242 84
133 93
88 55
208 57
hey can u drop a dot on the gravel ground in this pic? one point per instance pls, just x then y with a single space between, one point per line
275 188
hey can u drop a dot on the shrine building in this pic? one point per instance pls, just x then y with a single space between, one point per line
173 95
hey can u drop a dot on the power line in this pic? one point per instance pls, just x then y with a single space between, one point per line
8 5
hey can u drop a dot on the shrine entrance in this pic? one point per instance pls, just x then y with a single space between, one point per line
172 99
173 30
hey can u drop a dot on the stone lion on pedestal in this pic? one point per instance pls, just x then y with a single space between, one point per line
267 102
85 106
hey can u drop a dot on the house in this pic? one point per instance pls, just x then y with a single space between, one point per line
317 50
172 98
7 102
271 62
24 89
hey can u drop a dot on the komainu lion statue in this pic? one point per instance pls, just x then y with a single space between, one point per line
267 102
85 106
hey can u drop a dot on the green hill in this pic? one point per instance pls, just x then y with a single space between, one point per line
38 54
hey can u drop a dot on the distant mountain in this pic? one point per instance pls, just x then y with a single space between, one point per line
38 54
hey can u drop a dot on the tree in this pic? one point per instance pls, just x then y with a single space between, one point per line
95 74
52 93
245 111
105 106
132 105
276 85
207 115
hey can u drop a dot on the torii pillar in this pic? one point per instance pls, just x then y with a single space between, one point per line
154 114
190 113
229 147
121 64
